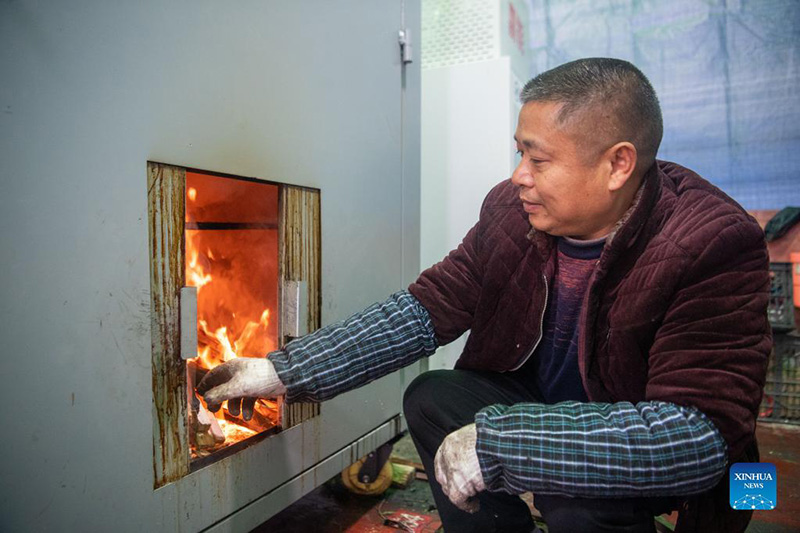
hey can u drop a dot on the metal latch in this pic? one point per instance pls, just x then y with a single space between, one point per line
295 308
406 53
188 297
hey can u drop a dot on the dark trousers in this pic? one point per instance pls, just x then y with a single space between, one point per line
442 401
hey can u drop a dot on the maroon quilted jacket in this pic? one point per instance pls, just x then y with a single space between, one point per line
675 311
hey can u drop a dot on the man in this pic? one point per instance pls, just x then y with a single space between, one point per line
619 338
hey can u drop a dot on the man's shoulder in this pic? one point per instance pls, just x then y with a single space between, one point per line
690 191
694 211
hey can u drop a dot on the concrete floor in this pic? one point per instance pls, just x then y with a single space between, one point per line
332 509
780 444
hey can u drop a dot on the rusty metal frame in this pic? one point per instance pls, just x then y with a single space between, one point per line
299 259
166 207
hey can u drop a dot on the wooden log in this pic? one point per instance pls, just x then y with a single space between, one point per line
401 461
402 475
207 431
204 340
261 420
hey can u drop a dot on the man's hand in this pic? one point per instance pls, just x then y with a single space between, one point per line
458 470
240 381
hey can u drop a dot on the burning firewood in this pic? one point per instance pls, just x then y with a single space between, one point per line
204 429
207 431
261 420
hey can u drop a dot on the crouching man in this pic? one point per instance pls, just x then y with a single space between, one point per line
618 332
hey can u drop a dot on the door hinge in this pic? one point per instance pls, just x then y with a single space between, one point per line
295 308
406 52
188 321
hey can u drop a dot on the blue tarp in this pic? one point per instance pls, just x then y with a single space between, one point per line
726 73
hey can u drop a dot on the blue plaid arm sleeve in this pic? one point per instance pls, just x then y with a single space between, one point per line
337 358
599 450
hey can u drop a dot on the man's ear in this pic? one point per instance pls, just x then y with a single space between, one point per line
622 157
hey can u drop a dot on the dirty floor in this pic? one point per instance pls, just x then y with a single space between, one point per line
332 509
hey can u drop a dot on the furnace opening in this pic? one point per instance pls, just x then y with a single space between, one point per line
235 271
232 243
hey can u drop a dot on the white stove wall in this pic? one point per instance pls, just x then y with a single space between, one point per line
308 93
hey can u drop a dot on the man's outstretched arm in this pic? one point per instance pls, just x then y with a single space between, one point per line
340 357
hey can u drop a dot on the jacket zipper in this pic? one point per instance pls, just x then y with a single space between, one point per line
541 329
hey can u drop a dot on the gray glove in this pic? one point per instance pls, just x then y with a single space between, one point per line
240 381
457 468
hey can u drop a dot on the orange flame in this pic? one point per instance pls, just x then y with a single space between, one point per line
195 274
233 318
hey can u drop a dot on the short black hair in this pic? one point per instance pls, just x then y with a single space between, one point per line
615 95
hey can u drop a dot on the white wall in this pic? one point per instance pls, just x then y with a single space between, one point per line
468 119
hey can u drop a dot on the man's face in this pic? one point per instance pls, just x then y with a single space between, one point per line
562 183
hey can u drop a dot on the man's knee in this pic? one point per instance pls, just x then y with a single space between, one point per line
446 400
420 395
